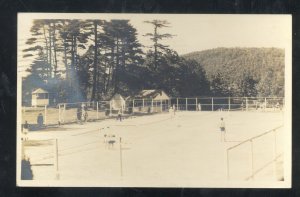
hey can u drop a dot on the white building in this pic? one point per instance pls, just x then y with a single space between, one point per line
156 95
39 97
153 100
117 102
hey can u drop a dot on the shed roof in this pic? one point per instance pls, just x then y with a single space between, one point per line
152 93
117 97
39 90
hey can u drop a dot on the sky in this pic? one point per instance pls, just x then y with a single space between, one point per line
193 32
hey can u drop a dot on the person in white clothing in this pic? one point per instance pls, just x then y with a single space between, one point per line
222 129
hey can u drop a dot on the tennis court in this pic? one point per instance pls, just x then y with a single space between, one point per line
157 150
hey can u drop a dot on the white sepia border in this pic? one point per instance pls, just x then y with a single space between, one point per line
283 29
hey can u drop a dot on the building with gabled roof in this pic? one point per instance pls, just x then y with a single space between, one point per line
39 97
152 94
117 102
153 100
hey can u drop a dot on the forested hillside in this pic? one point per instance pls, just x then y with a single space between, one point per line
243 71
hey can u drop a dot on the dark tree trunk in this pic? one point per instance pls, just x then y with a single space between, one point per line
47 48
50 52
95 72
111 70
54 50
66 61
116 81
155 47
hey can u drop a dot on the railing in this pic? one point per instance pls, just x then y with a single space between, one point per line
255 171
227 103
67 112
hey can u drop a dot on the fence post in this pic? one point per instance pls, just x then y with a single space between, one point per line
132 106
196 104
265 105
246 103
229 104
151 105
23 115
177 104
161 106
212 103
97 110
45 119
186 104
143 103
110 108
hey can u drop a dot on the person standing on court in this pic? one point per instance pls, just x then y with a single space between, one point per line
40 120
222 129
119 115
171 111
199 107
85 115
79 111
174 109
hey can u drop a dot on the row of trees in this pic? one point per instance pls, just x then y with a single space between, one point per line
93 59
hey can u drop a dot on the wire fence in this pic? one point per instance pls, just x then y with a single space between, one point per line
228 103
51 151
92 111
256 157
47 157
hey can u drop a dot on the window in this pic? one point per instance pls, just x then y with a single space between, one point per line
42 96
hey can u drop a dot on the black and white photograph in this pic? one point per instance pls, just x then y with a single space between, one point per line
154 100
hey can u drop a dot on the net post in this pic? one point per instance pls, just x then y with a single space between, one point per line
246 103
110 108
196 104
177 104
121 162
227 157
161 109
252 160
275 154
97 110
45 119
64 112
212 103
59 115
56 159
143 104
229 107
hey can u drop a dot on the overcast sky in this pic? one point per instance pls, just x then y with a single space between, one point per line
194 32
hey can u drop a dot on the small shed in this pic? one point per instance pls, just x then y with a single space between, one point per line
153 100
117 102
39 97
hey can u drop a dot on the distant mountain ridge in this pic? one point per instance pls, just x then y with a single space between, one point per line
245 71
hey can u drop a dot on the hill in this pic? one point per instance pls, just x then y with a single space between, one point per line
243 71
